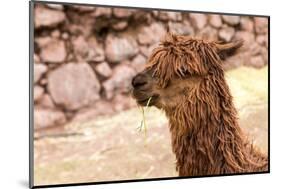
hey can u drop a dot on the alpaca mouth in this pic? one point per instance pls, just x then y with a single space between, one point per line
147 101
143 100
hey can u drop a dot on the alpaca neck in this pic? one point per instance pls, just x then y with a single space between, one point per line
206 138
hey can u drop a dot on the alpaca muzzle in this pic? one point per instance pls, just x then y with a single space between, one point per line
142 91
139 81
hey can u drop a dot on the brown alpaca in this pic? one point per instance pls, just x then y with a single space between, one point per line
185 78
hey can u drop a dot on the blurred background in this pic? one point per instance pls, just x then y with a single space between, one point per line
84 118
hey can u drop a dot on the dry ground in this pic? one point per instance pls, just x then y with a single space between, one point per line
111 148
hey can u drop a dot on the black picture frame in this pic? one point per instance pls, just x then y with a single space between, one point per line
31 105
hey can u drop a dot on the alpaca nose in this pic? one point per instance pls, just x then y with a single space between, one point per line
138 81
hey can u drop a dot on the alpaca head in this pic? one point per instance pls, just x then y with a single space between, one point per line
185 78
176 69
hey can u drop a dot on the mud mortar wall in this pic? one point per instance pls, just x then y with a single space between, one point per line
85 57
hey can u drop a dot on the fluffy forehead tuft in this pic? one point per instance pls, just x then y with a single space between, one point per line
182 56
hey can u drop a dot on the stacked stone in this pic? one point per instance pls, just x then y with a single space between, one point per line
85 57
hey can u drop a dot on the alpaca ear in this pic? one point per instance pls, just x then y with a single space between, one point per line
226 50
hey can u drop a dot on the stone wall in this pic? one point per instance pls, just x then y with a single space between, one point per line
85 57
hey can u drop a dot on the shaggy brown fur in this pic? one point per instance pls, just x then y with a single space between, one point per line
185 78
